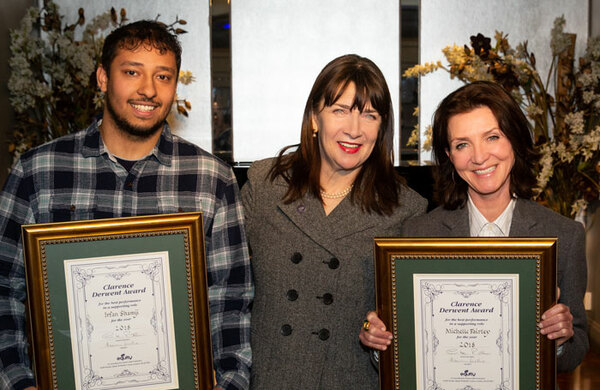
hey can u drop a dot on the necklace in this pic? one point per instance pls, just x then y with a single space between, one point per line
337 195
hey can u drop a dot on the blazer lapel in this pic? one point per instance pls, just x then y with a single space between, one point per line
523 220
457 222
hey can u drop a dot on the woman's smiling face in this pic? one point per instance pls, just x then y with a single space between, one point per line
346 135
481 154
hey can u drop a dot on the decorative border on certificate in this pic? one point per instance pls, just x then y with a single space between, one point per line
133 285
121 310
416 278
466 330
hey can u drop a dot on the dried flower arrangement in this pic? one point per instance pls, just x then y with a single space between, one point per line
566 124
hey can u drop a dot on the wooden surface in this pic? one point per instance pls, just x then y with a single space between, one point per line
585 377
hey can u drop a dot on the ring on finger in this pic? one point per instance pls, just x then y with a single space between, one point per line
366 325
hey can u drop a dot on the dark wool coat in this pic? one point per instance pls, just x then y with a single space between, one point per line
530 219
314 280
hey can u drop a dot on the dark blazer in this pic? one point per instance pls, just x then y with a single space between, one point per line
531 220
314 281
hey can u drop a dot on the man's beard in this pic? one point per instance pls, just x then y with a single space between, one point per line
124 125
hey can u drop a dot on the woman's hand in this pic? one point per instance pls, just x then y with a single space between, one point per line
376 337
557 323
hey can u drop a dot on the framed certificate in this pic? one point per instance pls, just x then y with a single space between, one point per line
119 303
464 312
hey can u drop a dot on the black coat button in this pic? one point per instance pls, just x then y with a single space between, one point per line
327 299
286 330
292 295
323 334
333 263
296 257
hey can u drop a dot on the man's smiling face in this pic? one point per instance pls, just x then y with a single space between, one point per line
140 90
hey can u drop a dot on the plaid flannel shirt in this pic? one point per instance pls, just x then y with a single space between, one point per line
75 178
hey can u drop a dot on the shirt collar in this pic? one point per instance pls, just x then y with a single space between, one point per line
94 147
477 222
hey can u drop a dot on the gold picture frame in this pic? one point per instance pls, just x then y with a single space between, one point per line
179 238
411 273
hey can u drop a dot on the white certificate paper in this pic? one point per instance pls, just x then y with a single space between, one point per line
466 330
121 319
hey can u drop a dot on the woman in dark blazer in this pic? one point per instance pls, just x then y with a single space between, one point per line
311 215
484 182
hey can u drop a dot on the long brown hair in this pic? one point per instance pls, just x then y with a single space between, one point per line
376 187
451 189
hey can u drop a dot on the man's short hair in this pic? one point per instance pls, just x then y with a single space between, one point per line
149 33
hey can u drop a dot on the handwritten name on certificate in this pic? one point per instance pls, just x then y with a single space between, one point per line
121 319
466 331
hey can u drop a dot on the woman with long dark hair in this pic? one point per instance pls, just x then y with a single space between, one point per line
484 182
311 215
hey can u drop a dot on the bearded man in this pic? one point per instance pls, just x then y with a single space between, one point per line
127 163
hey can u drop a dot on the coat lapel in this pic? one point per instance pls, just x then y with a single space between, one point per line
306 214
346 219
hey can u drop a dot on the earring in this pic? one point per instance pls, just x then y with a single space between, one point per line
315 131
